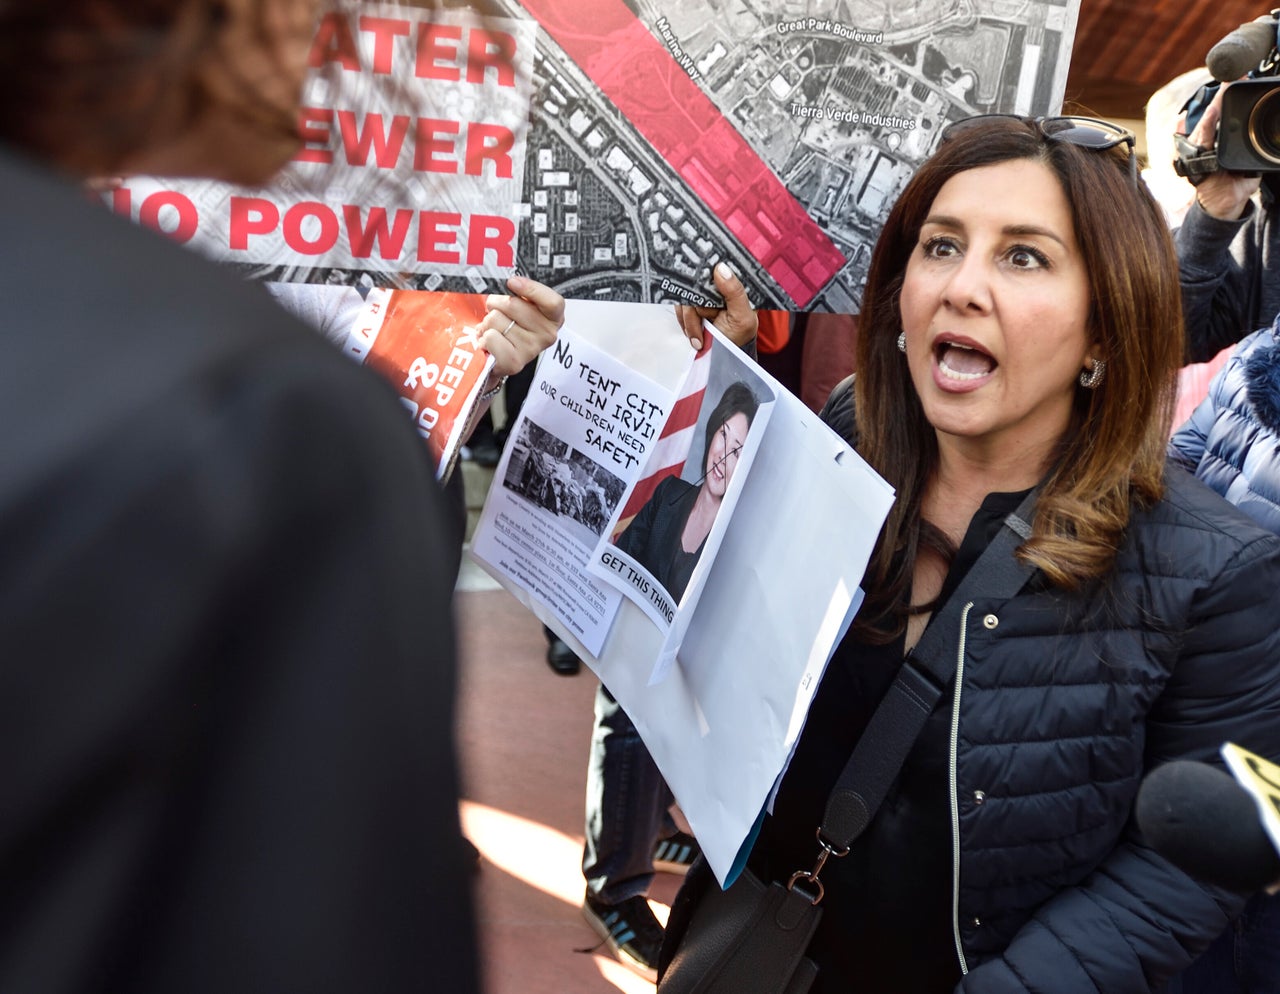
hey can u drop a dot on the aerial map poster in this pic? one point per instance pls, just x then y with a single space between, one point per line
618 149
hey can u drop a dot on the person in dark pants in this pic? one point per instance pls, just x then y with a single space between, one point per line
630 831
628 801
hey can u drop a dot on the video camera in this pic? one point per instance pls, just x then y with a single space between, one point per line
1249 130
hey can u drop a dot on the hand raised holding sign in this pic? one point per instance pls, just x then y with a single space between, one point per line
737 320
521 324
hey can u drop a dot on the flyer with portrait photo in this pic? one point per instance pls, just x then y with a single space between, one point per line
663 540
610 404
583 434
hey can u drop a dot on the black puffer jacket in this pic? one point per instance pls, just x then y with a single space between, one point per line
1227 272
1064 702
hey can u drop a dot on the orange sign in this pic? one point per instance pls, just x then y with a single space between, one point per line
427 345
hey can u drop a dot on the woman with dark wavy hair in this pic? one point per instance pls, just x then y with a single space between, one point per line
1020 333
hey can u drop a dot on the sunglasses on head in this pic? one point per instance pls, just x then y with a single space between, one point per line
1085 132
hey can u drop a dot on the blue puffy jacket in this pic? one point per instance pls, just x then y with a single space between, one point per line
1232 441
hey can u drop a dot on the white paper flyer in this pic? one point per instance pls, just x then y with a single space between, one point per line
720 713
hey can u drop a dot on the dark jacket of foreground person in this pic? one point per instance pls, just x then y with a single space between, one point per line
226 656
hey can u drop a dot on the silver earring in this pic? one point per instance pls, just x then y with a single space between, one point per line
1092 377
902 341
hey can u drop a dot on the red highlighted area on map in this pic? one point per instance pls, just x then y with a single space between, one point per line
640 77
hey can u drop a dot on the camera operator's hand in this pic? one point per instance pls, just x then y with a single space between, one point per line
1221 194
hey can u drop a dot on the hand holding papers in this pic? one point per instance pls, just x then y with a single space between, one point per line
584 430
718 692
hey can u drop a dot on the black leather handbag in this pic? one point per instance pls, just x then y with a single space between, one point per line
752 937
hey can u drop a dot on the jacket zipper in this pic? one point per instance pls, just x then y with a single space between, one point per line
955 800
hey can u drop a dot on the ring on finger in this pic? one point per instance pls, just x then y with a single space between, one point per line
508 328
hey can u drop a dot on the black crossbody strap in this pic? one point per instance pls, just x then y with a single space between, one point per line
923 679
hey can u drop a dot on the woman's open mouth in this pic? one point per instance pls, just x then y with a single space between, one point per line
963 362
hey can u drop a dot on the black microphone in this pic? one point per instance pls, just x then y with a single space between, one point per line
1242 50
1203 822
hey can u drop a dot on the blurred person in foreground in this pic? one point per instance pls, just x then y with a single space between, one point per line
226 651
1020 331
